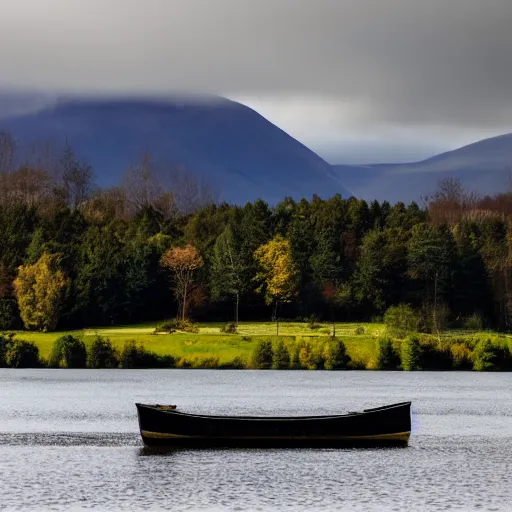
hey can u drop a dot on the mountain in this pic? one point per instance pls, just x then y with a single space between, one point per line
485 166
241 154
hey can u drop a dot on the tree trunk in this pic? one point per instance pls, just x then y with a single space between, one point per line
436 327
506 301
276 317
236 308
184 307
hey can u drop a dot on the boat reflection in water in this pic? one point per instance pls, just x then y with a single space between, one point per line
165 426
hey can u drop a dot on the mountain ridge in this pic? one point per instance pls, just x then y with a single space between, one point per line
237 150
240 151
484 166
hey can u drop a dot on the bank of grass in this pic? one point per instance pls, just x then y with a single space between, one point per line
360 339
210 341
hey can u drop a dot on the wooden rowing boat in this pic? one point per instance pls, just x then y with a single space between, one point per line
389 425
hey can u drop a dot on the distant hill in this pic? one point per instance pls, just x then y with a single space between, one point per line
241 154
485 166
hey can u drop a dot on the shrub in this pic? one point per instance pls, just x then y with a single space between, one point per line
102 354
410 354
246 338
281 356
175 324
229 328
22 354
488 357
387 356
68 352
295 357
311 357
136 355
359 330
262 355
473 323
167 326
166 361
305 356
187 326
313 322
184 362
5 342
9 314
335 355
436 355
356 364
461 356
206 363
237 363
401 320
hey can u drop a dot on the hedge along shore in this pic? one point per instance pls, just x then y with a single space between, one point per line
368 346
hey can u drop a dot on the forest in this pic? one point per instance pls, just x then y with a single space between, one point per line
161 245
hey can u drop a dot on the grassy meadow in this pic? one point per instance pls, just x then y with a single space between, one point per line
210 341
360 339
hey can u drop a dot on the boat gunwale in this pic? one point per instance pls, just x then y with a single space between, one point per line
276 418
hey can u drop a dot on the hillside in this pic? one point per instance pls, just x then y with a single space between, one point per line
241 154
484 166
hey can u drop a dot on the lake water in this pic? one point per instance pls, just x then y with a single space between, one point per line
69 441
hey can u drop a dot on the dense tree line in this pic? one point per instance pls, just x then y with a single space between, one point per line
74 255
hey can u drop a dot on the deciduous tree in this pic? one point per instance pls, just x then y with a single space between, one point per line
184 262
77 179
278 274
40 289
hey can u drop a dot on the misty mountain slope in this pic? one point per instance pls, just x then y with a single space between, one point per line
484 166
241 154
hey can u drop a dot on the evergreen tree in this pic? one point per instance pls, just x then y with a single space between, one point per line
262 355
281 356
335 355
410 355
431 262
98 288
381 269
227 269
387 358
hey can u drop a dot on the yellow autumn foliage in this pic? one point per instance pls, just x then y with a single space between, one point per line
278 272
40 289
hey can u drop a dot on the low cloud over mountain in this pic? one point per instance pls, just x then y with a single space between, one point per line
241 155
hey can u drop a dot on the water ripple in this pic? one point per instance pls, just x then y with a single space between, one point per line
69 441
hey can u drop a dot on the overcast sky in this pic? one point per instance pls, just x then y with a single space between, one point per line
356 80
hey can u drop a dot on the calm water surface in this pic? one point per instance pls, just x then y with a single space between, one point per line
69 440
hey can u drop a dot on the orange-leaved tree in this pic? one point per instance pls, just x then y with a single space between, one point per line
278 272
184 262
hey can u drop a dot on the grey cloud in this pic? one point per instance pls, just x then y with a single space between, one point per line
408 61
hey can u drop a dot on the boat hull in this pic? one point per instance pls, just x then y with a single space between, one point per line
384 426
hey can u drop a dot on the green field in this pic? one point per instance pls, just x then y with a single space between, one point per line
210 342
360 339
